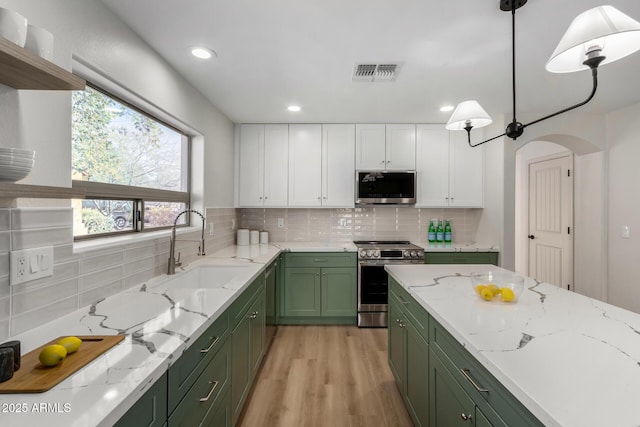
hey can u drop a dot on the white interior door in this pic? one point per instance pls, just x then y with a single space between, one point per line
551 221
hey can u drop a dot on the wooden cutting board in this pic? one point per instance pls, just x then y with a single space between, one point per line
33 377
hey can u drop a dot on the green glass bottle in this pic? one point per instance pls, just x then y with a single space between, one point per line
432 231
447 232
440 232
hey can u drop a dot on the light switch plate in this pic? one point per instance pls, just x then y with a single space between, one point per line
30 264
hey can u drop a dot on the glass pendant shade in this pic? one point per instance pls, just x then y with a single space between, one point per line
468 113
603 27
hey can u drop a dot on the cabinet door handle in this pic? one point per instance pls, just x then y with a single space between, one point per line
320 260
215 384
253 315
467 375
206 350
465 416
402 300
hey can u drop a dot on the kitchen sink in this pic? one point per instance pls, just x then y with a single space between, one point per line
209 277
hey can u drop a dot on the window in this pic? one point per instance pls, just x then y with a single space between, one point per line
132 168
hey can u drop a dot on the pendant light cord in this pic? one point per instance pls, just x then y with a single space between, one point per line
513 57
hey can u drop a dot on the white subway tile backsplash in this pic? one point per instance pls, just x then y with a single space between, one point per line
27 301
101 277
96 294
29 320
4 329
27 218
5 220
36 238
104 260
5 311
5 241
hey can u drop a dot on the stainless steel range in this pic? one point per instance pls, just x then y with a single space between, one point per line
373 281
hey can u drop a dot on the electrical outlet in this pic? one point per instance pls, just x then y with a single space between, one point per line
30 264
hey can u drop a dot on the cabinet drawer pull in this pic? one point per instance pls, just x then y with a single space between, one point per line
320 260
206 350
215 384
465 416
254 315
467 375
402 300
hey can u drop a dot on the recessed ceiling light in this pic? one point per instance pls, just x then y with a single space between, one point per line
446 108
202 52
294 108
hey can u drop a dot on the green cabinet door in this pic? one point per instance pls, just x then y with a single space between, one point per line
417 375
339 291
150 410
397 359
256 349
302 292
481 419
450 405
240 365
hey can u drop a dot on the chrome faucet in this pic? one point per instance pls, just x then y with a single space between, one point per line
173 262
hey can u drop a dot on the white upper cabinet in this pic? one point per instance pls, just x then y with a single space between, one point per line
305 165
400 147
385 147
321 165
450 173
338 165
263 165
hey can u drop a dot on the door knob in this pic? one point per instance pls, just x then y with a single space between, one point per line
531 236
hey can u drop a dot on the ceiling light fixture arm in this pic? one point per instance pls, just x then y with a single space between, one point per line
515 128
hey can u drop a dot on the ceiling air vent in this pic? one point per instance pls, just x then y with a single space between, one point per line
375 72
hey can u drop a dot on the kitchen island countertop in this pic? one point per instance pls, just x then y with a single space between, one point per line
571 360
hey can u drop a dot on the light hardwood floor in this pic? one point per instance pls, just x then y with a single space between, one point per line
326 376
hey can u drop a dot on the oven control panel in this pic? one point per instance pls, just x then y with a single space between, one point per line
391 254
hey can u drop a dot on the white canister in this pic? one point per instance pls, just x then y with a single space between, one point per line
242 237
13 26
40 42
255 237
264 237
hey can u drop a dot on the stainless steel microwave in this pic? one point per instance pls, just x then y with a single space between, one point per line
385 188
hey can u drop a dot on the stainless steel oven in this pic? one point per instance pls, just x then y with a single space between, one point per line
373 280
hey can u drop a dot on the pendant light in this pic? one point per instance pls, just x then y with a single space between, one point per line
596 37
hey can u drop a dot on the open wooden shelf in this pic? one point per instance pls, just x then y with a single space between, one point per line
10 190
21 69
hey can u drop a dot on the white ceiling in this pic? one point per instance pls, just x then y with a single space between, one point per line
273 53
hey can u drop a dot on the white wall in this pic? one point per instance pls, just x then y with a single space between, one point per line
624 207
87 30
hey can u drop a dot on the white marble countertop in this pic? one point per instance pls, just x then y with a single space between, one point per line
316 246
158 318
571 360
457 247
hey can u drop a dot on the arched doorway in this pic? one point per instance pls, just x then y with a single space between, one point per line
587 205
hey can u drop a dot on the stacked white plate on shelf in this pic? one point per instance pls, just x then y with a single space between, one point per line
15 163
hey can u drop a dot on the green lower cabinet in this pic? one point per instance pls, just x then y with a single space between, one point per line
338 292
150 410
450 405
301 289
461 258
247 352
206 394
417 391
220 414
409 363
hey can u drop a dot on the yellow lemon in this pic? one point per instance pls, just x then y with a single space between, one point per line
479 288
53 354
72 344
507 294
494 288
486 294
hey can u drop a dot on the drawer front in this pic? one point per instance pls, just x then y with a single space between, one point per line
211 387
240 306
477 381
150 410
193 361
417 315
461 258
320 259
